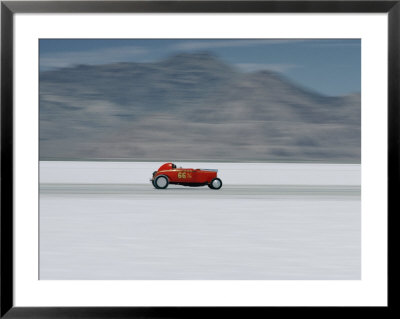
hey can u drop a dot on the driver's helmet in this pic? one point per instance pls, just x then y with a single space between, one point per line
173 166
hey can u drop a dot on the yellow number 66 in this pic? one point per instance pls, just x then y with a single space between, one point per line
182 175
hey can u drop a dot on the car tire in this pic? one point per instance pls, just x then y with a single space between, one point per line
161 182
216 183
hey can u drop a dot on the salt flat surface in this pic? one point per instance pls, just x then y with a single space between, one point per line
230 173
117 230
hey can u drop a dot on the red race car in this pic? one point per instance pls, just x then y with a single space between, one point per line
170 174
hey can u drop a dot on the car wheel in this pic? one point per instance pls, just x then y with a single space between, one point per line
161 182
216 183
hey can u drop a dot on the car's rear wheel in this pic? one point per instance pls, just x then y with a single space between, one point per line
161 182
216 183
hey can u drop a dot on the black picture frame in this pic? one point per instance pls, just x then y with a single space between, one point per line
9 8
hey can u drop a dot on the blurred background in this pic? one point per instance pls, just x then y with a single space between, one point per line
204 100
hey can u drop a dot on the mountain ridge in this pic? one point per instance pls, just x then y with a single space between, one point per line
192 106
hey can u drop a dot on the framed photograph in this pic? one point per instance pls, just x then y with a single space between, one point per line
197 158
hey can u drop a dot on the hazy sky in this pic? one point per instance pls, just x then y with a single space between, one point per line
330 67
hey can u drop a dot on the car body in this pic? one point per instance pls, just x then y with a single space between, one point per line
168 173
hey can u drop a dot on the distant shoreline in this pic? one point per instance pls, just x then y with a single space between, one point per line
193 160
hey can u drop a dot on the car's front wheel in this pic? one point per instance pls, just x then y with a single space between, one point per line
216 183
161 182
